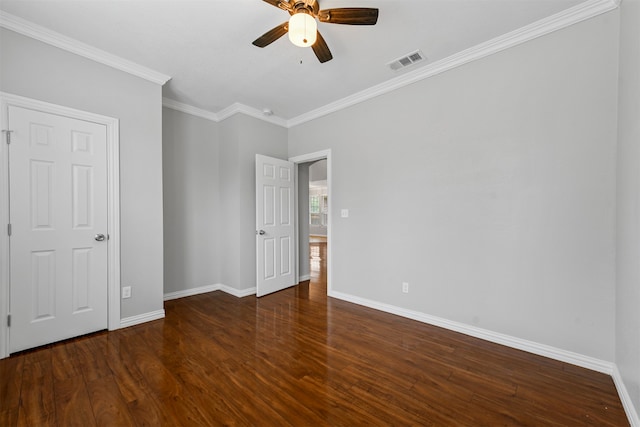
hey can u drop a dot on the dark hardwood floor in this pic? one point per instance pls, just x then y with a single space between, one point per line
295 358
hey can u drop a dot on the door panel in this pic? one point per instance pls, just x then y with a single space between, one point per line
43 285
274 216
58 203
41 194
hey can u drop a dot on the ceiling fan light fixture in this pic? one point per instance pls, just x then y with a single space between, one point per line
303 29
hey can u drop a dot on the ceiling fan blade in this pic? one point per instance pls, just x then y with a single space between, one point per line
272 35
349 15
321 49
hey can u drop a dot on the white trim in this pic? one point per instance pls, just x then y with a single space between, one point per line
507 340
239 293
236 108
561 20
4 240
304 278
113 206
627 403
53 38
310 157
224 114
141 318
193 291
190 109
296 225
113 223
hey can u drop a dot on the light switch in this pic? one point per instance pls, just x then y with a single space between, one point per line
344 213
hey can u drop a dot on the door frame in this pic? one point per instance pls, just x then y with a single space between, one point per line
113 206
304 158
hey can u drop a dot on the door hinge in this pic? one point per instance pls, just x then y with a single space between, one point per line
8 133
9 229
9 321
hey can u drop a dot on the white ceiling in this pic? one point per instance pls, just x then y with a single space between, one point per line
205 46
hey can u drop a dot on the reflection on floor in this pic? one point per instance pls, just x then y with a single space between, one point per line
318 265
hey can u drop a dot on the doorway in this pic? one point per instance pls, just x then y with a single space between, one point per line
313 216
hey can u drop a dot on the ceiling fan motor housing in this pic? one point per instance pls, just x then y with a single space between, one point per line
311 6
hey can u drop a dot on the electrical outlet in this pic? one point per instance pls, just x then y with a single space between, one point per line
126 292
405 287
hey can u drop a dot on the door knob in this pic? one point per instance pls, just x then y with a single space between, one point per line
99 237
262 232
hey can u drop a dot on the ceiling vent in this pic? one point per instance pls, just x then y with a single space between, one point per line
407 60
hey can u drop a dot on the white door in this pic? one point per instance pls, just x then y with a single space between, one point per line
274 224
58 215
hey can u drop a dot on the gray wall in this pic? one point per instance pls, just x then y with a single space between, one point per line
209 198
241 138
628 236
36 70
192 208
492 190
303 220
318 171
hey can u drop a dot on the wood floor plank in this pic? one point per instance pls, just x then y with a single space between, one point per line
73 403
9 417
10 383
198 374
65 363
90 357
109 407
161 383
37 396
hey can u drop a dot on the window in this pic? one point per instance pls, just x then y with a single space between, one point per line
314 210
318 209
314 204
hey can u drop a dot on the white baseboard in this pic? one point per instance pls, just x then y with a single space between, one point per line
239 293
525 345
141 318
627 403
304 278
193 291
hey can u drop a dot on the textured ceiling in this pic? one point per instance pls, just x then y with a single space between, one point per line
205 46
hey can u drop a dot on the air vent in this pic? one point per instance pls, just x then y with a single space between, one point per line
407 60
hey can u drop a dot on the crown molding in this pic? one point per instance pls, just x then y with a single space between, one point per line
189 109
236 108
222 114
578 13
53 38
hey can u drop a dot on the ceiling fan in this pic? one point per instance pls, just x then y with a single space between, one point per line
303 28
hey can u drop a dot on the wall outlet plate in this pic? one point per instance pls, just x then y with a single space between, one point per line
126 292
